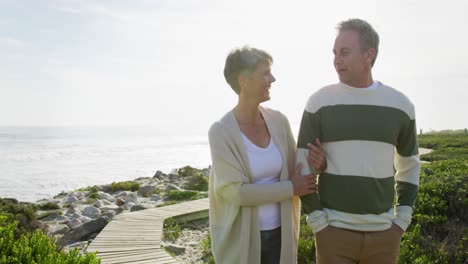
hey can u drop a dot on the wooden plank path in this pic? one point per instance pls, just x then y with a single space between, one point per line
136 237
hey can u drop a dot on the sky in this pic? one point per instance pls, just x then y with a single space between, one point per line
160 62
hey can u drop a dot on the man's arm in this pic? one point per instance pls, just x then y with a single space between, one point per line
308 132
408 168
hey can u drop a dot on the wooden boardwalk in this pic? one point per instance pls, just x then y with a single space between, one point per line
136 237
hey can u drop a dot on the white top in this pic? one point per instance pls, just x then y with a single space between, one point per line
265 165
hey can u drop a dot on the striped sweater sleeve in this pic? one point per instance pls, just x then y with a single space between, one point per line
310 130
408 167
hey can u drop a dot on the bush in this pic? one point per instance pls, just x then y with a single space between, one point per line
171 230
49 206
92 189
34 247
23 213
183 195
189 171
197 183
124 186
438 233
306 245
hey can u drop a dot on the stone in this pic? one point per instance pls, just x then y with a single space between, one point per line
59 229
132 198
84 219
171 187
146 191
140 207
74 223
155 198
175 249
54 217
106 197
159 175
99 204
71 199
123 195
92 212
128 205
120 202
109 214
85 230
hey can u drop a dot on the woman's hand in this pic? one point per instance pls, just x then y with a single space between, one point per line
317 157
303 185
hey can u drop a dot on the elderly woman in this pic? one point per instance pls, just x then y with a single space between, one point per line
254 187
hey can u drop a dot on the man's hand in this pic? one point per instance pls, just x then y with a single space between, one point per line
317 157
303 185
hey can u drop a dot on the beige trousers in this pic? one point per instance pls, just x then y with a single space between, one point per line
342 246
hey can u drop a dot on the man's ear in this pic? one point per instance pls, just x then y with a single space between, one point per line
370 55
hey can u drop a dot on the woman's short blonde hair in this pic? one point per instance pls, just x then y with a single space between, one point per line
243 60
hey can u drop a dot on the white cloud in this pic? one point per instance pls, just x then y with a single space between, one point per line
11 42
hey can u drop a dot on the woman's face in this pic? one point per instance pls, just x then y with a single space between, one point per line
258 83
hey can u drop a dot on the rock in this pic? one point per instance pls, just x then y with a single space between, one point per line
54 217
175 249
132 198
73 209
171 187
58 229
146 191
120 202
106 197
140 207
159 175
71 199
84 230
128 205
123 195
109 214
173 176
92 212
192 243
84 219
74 223
111 207
99 204
155 198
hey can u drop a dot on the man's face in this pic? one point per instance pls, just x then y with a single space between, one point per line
352 65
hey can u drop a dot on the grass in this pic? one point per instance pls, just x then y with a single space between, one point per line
124 186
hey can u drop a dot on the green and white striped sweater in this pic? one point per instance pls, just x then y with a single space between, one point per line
370 139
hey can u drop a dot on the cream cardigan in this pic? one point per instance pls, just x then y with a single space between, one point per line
234 225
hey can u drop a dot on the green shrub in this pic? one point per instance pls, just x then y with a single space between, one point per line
124 186
197 183
306 244
438 233
182 195
23 213
189 171
92 189
171 230
34 247
94 196
207 256
49 206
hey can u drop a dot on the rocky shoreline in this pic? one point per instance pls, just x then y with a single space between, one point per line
75 218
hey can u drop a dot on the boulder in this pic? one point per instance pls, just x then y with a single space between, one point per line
146 191
106 196
59 229
72 199
175 249
155 198
99 204
119 202
171 187
74 223
92 212
85 230
140 207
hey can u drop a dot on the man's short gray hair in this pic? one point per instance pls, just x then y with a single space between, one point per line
368 37
243 60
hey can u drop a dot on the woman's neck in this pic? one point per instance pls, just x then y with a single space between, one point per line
248 113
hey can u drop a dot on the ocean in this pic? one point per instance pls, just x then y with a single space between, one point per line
40 162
